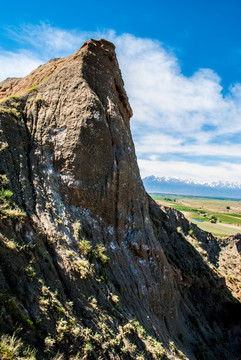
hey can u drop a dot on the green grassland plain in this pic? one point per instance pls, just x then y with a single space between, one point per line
221 217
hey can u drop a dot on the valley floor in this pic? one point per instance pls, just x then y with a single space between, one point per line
221 217
218 229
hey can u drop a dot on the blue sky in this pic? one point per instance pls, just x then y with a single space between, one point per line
180 61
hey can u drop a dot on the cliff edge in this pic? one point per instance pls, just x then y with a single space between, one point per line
91 267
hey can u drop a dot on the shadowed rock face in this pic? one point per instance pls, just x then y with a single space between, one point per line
71 164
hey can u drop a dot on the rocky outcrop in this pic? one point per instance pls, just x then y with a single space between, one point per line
90 265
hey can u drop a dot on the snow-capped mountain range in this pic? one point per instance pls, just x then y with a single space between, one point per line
177 186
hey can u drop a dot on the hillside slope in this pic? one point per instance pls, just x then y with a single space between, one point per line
90 266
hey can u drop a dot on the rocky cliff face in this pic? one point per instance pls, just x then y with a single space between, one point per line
90 266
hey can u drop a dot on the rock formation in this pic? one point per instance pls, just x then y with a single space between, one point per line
91 267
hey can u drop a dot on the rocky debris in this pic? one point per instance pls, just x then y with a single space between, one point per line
229 264
90 266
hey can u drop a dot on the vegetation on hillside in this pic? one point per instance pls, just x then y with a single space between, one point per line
221 217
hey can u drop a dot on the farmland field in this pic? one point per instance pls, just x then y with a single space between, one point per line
221 217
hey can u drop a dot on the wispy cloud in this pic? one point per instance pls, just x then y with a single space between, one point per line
169 101
17 64
174 115
38 44
163 144
191 170
46 39
186 118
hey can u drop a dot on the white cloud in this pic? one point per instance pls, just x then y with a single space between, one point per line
182 116
163 97
173 114
17 64
185 170
166 144
48 38
40 43
52 41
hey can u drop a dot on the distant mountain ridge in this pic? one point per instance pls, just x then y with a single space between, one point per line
191 187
